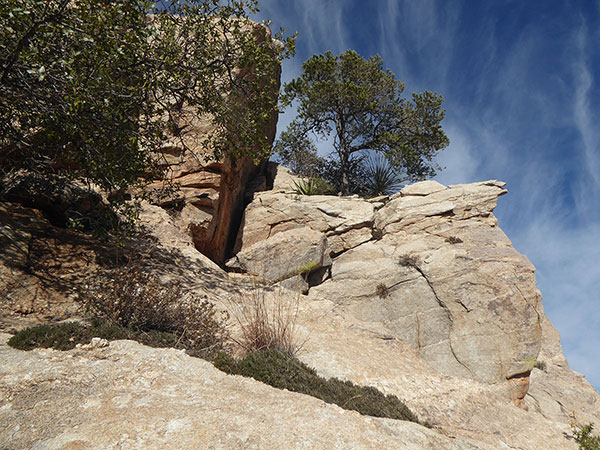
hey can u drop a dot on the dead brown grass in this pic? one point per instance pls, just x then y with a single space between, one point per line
266 319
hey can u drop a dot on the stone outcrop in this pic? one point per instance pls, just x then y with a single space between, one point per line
129 396
430 264
419 294
210 198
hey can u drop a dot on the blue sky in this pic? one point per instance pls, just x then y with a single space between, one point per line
521 81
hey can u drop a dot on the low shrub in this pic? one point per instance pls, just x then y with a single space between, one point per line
453 240
312 186
585 439
132 298
66 336
284 371
408 261
382 290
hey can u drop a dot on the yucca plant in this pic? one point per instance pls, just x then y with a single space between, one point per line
312 186
382 179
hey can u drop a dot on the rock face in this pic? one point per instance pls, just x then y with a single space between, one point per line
210 199
419 294
129 396
430 264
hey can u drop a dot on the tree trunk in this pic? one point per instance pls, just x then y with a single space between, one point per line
345 168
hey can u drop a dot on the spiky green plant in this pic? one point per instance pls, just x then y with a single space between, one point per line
382 179
312 186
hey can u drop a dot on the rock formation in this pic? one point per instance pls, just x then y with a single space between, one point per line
420 295
430 264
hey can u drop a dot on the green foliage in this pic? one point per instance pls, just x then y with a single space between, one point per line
360 103
90 89
67 335
532 363
382 178
283 371
312 186
585 439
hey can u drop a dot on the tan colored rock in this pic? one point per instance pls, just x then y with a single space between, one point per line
422 188
284 255
345 221
283 178
130 396
450 273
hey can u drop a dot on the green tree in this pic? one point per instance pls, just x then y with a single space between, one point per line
90 88
359 102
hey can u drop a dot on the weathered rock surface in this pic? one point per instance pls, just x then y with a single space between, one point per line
457 314
212 190
285 255
430 264
129 396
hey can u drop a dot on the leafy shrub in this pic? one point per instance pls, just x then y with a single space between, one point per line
283 371
133 298
453 240
266 319
382 290
540 365
312 186
585 439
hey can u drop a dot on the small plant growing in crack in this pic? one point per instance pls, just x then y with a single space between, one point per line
453 240
533 363
382 290
408 261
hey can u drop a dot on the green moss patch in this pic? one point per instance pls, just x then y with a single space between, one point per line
283 371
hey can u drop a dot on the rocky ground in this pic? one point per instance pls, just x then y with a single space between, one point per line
420 295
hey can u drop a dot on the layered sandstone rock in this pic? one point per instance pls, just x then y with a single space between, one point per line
210 198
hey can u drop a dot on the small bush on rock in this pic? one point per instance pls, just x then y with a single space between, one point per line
283 371
133 298
266 319
66 336
408 261
453 240
382 290
584 437
312 186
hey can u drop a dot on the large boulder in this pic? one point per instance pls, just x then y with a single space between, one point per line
429 263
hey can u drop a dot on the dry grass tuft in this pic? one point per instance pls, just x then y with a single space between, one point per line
266 317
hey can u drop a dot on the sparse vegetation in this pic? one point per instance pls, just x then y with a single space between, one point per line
266 319
453 240
532 363
312 186
382 290
283 371
66 336
585 439
408 261
133 298
377 234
